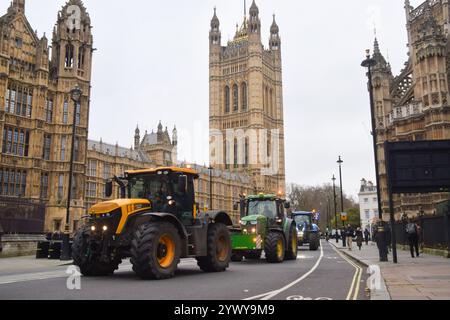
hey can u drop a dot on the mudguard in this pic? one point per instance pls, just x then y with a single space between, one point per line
167 217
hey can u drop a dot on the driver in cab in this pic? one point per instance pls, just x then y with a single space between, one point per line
268 212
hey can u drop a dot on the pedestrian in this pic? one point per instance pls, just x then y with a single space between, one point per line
359 238
388 237
413 237
419 236
366 236
344 237
349 233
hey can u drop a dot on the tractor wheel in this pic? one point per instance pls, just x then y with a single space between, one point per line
90 265
155 250
292 250
253 255
237 257
274 247
218 249
314 242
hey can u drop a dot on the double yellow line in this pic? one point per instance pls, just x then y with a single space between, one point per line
354 288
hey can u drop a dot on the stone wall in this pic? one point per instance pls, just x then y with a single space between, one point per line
19 245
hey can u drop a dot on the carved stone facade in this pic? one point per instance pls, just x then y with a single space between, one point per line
246 103
36 110
414 105
36 116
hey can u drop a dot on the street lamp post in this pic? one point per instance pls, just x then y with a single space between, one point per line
369 63
335 208
75 95
340 162
210 187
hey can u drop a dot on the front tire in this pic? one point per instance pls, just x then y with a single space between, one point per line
89 264
292 251
314 242
274 247
218 249
155 251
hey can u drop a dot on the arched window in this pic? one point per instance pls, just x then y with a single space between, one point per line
244 98
69 56
235 98
246 152
266 99
227 99
236 153
269 144
272 111
81 57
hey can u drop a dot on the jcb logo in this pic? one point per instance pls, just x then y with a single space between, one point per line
74 17
74 280
374 281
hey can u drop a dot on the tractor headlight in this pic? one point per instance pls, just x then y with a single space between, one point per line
253 230
93 228
105 228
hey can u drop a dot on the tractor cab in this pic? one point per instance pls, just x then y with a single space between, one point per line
269 206
169 190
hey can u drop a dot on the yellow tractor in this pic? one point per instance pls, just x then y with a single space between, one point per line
155 222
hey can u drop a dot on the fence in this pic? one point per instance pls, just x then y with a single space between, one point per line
21 216
435 229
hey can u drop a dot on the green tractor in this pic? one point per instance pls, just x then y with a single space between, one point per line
264 227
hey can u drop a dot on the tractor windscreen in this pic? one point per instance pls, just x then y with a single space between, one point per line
155 188
302 221
266 208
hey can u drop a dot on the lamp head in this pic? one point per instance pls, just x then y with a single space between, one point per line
75 94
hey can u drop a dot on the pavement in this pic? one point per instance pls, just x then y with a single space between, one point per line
424 278
325 274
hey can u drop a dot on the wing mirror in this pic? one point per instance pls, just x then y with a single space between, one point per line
287 205
108 189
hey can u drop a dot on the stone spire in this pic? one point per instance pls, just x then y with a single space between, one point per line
275 41
19 5
174 136
255 22
382 64
137 138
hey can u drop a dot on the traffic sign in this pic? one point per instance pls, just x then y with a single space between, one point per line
344 216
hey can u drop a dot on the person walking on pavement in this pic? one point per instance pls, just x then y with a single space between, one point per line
349 233
388 237
366 236
359 238
413 237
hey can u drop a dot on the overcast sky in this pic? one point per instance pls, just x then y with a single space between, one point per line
152 64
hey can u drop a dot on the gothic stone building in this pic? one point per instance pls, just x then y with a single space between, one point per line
246 103
36 110
36 115
414 105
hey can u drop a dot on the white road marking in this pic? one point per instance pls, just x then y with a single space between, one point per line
354 288
274 293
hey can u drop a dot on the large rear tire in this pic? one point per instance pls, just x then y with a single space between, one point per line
314 241
218 249
90 265
275 248
156 251
292 250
